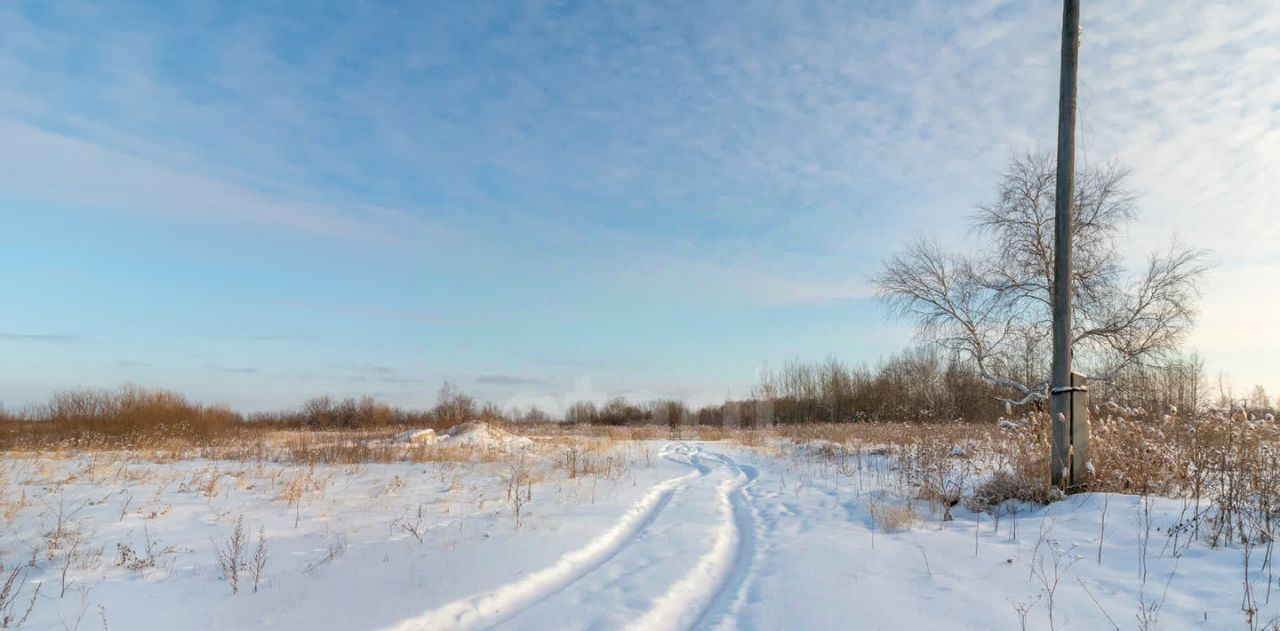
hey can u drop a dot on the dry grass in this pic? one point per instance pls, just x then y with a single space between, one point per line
1226 465
134 418
1225 462
588 456
128 417
893 516
877 434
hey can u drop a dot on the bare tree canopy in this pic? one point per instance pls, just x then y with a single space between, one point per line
992 305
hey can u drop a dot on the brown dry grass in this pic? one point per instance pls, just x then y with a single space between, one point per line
1226 461
130 416
893 516
135 418
1226 464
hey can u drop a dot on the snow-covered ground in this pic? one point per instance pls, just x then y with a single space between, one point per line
678 535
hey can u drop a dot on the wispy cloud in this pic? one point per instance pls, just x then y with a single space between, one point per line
374 369
508 380
389 380
37 337
753 152
63 168
362 311
129 364
753 126
232 370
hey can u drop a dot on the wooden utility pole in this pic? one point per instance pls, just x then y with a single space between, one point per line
1070 433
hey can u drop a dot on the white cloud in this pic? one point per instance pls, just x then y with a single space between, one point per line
53 166
788 147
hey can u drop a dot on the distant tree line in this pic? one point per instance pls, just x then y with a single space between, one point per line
452 406
920 385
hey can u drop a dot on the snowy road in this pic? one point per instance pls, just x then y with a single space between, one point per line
782 543
678 558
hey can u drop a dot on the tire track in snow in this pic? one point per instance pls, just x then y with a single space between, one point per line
717 577
492 607
725 609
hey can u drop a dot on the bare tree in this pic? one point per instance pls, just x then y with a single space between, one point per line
581 412
1179 384
1258 402
994 306
453 405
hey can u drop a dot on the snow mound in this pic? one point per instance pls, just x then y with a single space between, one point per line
415 437
478 434
481 434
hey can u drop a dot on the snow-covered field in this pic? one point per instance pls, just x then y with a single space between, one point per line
663 535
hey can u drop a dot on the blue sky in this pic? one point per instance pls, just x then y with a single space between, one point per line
550 200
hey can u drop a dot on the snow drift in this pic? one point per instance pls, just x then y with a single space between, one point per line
474 434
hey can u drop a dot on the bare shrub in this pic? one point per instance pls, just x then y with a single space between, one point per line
939 470
69 558
414 525
1023 609
519 488
336 548
893 516
151 556
63 525
15 606
1050 575
1004 486
259 565
230 555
